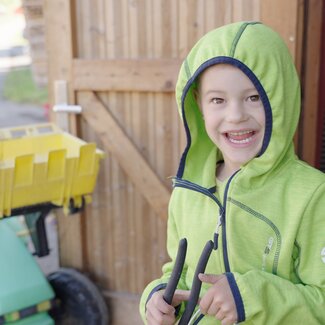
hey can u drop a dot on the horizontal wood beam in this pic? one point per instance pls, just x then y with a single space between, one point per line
118 144
145 75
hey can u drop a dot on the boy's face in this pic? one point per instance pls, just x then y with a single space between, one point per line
233 113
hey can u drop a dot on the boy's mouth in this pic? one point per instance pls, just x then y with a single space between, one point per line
240 137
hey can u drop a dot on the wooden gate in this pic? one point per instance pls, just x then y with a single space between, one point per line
120 60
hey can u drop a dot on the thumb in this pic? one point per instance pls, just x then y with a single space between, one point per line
210 278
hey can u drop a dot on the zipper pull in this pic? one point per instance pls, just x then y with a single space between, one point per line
216 233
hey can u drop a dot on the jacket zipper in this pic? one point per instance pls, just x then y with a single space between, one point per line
223 220
216 233
222 212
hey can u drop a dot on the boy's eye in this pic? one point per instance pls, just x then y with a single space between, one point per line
254 98
217 100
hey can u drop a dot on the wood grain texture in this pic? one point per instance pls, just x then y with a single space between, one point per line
137 75
117 142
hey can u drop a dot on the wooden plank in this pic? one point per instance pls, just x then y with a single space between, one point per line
245 10
59 45
95 218
156 75
99 243
69 240
152 234
299 42
60 97
320 146
311 81
173 27
133 163
112 16
163 134
162 126
299 52
119 259
135 199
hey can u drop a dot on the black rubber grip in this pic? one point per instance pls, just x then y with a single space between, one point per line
177 271
196 285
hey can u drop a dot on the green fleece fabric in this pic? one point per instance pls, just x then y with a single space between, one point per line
272 241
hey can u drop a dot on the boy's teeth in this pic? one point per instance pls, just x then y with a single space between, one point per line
240 141
239 133
240 136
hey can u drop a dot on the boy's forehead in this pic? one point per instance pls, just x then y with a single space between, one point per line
215 70
220 67
224 75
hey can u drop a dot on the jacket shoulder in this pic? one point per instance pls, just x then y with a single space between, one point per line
304 176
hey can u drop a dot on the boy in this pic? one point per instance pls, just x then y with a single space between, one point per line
240 184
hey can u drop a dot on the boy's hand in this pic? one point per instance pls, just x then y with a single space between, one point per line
218 300
159 312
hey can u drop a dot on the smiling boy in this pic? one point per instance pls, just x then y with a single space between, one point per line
233 115
240 184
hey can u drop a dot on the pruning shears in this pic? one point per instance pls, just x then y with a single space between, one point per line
187 318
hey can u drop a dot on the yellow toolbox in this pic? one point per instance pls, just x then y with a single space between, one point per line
41 163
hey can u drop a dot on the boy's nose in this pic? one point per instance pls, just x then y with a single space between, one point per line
235 113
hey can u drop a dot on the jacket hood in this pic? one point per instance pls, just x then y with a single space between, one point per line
263 56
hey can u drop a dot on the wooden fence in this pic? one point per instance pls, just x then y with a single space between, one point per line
120 60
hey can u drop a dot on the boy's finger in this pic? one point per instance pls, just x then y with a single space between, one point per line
210 278
157 318
166 309
182 295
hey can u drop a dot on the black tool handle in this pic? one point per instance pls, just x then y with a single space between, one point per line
196 285
177 271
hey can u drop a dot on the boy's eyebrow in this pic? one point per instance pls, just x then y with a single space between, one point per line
219 91
210 91
250 89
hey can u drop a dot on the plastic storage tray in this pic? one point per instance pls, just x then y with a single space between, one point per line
41 163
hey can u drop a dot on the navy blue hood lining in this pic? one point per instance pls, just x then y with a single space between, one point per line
249 73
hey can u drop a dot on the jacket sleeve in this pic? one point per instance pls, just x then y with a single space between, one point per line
172 246
270 299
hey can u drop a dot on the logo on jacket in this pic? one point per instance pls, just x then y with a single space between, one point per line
322 254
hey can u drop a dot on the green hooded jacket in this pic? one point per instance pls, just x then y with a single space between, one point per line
272 240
